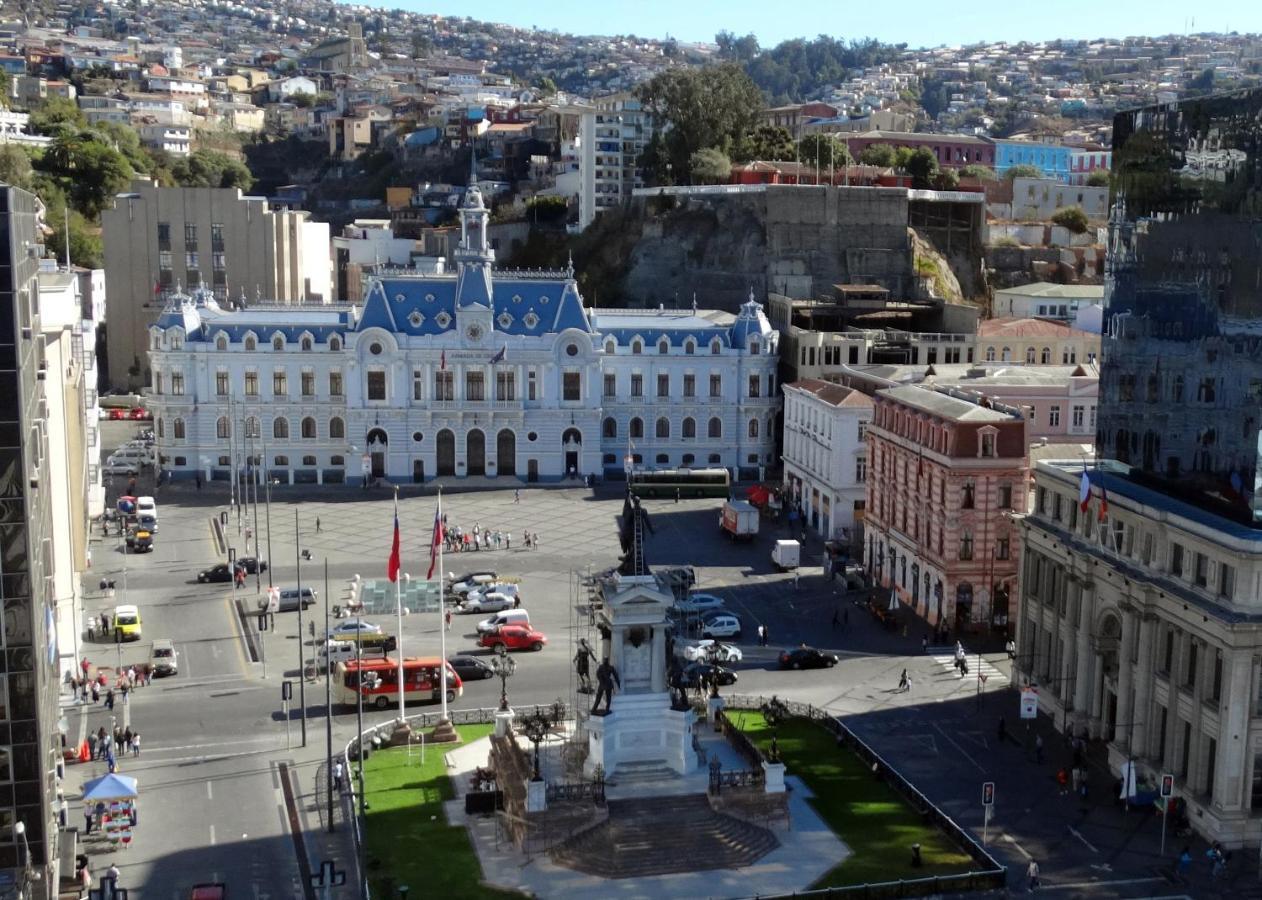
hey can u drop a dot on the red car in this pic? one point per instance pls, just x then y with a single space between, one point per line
513 637
116 414
140 414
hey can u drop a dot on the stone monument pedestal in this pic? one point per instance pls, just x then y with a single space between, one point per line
641 728
536 796
773 777
503 722
713 707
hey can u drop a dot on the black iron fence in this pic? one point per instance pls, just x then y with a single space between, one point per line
593 790
991 873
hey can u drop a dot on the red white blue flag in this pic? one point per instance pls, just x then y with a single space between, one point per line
435 542
392 567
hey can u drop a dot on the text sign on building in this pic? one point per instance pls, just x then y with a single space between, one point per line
1029 703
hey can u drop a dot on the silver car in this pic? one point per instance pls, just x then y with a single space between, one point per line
479 602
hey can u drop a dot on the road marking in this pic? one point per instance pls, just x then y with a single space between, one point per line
963 752
1013 841
163 748
210 793
212 834
991 673
1074 831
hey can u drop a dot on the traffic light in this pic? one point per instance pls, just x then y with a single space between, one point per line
1167 785
988 793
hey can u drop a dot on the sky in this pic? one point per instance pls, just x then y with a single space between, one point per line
918 23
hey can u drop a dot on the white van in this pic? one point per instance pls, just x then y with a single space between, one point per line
334 652
507 617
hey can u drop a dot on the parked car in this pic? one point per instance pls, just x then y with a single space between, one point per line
699 603
117 414
252 565
721 625
808 658
506 588
469 581
219 573
478 602
693 675
507 617
121 467
707 650
470 668
352 627
140 414
513 637
140 540
163 659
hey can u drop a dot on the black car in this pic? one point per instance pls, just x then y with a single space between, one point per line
221 572
470 668
251 565
694 673
808 658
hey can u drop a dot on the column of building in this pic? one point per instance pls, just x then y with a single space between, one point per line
1125 725
1234 762
1143 709
1083 660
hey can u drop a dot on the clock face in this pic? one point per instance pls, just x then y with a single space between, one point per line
473 332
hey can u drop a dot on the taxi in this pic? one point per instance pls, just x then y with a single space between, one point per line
127 622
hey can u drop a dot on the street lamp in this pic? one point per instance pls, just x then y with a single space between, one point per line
504 666
19 828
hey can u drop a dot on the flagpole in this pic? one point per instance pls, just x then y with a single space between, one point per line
398 612
442 613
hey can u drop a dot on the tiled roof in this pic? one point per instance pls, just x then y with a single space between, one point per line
834 394
1057 291
1027 328
939 404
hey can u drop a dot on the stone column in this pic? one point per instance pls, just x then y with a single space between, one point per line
1082 684
659 660
1126 724
1145 725
1095 701
1233 760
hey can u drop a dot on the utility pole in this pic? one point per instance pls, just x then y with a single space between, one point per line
302 674
328 696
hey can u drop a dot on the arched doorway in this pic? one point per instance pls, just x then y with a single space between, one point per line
475 452
571 446
506 452
446 461
378 443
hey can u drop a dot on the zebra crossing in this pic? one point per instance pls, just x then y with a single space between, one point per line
991 673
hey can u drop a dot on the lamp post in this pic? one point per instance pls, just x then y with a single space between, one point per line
19 828
504 666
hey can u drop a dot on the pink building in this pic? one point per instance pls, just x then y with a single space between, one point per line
1083 162
947 473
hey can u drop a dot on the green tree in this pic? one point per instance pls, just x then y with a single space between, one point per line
546 85
15 166
1023 171
878 155
54 113
301 99
1071 217
1098 178
902 156
978 171
210 168
823 150
766 142
713 106
86 246
922 166
710 165
1203 83
946 180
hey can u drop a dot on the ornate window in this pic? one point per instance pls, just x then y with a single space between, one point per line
221 342
278 342
337 427
663 427
690 428
715 427
308 428
223 428
280 428
177 429
610 427
637 428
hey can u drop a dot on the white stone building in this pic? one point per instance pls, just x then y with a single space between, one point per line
611 140
1141 627
825 454
473 373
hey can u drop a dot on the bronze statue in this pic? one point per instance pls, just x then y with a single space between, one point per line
606 678
582 659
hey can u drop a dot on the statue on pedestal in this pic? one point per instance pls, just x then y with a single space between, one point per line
635 522
606 678
582 661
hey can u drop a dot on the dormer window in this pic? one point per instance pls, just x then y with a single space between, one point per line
690 347
986 443
221 342
637 347
250 342
753 346
278 342
663 347
335 343
306 343
177 340
610 347
716 347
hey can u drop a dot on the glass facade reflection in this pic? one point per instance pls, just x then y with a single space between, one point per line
1181 383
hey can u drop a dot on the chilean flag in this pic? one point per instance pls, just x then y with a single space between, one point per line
392 567
435 543
1104 503
1084 492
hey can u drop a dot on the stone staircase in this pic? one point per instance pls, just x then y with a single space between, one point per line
641 772
661 836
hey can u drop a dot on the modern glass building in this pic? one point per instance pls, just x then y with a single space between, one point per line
1181 385
30 743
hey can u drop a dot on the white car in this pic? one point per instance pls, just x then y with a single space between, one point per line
496 587
700 603
721 625
353 626
704 651
478 602
473 583
121 467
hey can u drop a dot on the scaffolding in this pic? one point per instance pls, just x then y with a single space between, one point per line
586 597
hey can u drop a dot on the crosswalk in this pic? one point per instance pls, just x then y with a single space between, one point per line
992 674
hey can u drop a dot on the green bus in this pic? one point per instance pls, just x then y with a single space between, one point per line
685 482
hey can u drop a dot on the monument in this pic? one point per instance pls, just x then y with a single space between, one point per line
640 725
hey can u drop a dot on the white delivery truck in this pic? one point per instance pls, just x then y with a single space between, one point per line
739 518
786 555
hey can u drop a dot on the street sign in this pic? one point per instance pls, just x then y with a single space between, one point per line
232 554
988 793
1029 703
286 690
1167 785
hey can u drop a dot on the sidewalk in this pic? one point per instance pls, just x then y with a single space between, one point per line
309 781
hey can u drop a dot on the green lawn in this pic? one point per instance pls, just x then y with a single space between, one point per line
873 820
408 839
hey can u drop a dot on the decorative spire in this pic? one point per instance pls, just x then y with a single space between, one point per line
569 267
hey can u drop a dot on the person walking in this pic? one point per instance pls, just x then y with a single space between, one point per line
1185 862
904 684
762 635
1062 780
796 579
135 743
447 619
534 540
109 699
836 619
517 495
1032 876
96 692
1011 647
112 874
337 776
924 644
317 524
87 819
1038 749
508 540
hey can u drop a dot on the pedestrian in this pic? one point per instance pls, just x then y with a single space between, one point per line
112 874
508 540
96 692
105 624
1038 749
924 644
1062 780
1032 876
317 524
126 737
135 743
904 684
525 539
676 495
762 635
1185 862
91 629
796 577
836 619
534 540
447 619
1076 775
109 699
87 818
337 776
197 479
517 495
1011 647
517 601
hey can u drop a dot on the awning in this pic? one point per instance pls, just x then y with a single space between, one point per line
111 787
